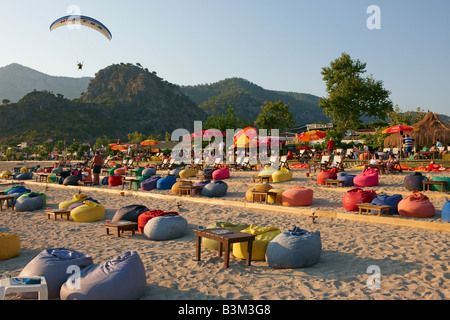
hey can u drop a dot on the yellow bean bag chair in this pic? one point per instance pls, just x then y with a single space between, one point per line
262 187
267 171
176 187
213 244
282 175
263 236
155 158
77 198
187 173
6 174
88 212
9 245
276 199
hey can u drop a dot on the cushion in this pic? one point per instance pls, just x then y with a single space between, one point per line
297 196
9 245
88 212
263 236
121 278
30 202
417 205
53 264
77 198
214 189
129 213
295 248
166 227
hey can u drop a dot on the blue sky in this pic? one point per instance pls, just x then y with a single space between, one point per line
279 45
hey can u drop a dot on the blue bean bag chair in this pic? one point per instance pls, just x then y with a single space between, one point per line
16 189
295 248
446 212
166 227
217 188
348 178
166 183
386 200
105 181
30 202
150 184
53 264
151 171
129 213
24 176
121 278
413 182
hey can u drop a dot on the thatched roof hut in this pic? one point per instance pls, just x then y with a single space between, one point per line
430 129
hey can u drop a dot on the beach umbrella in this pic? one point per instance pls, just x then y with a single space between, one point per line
120 147
304 147
400 128
208 133
311 135
149 143
243 137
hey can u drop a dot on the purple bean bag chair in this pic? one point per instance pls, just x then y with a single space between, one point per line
220 174
53 264
150 183
121 278
73 206
368 178
200 184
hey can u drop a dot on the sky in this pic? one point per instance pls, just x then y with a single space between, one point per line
276 44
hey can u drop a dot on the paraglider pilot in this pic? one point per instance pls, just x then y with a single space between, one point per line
80 66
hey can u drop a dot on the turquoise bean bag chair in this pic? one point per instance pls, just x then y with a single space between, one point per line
446 212
436 187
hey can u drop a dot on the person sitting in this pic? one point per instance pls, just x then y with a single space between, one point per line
391 163
373 162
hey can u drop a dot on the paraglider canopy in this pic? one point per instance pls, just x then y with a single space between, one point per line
84 21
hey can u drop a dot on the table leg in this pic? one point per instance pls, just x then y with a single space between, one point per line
199 247
227 255
43 293
220 248
249 252
107 230
118 232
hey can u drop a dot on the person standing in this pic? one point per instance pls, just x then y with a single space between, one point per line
330 145
408 144
96 167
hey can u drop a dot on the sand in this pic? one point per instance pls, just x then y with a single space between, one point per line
413 261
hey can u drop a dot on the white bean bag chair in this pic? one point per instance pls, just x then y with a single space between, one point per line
295 248
30 202
53 264
121 278
166 227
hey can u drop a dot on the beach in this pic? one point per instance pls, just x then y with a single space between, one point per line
413 261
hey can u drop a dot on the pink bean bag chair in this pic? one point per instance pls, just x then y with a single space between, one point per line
220 174
417 205
369 178
297 197
328 174
354 196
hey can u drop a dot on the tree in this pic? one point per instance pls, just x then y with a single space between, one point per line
5 102
352 96
225 121
275 115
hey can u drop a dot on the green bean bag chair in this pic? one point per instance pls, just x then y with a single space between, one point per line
436 187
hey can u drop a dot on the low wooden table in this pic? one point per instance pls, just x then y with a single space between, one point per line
85 183
365 208
379 167
264 194
227 239
261 179
6 198
337 183
41 177
121 226
204 176
130 180
427 185
187 189
58 212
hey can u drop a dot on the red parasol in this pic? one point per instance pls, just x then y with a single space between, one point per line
399 128
311 135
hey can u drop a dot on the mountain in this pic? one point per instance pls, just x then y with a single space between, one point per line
17 80
247 99
121 99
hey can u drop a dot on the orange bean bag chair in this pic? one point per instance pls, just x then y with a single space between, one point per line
355 196
86 174
297 197
121 171
417 205
327 174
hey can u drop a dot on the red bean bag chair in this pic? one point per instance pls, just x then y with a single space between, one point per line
114 181
297 197
327 174
355 196
120 171
148 215
220 174
368 178
417 205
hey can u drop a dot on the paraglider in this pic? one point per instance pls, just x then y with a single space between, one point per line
81 20
80 66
